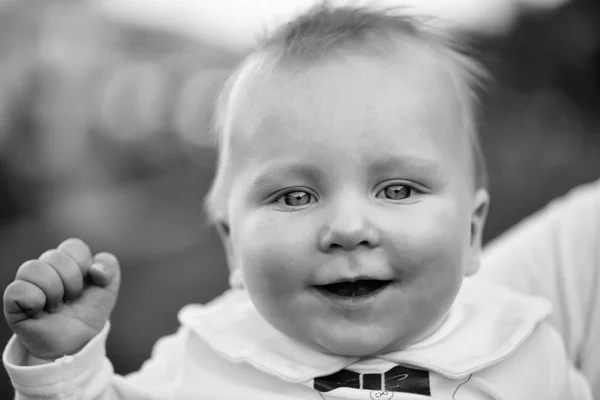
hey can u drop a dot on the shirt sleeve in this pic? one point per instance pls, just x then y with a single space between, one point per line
89 374
555 253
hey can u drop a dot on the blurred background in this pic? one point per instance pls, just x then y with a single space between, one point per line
105 107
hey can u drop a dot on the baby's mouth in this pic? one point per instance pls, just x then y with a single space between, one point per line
359 288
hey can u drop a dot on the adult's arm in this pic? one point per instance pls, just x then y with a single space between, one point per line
555 253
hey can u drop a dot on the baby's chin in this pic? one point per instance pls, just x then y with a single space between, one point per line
356 344
355 349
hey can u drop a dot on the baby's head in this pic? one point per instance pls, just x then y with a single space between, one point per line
350 191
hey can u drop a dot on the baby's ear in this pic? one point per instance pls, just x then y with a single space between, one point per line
479 214
224 233
235 274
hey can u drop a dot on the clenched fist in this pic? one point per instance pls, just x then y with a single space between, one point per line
60 301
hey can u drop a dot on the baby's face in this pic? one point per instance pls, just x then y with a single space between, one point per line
352 204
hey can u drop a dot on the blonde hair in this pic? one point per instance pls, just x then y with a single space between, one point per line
323 33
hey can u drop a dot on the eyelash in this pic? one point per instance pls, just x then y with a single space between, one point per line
280 199
412 190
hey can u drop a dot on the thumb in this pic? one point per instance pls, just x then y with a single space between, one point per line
105 272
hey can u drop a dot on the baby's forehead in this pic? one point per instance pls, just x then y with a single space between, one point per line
281 118
265 92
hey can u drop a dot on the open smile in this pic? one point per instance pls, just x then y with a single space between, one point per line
361 287
353 292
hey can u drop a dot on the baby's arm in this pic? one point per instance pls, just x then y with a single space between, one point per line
88 375
59 306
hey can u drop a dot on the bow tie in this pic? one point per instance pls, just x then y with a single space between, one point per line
397 379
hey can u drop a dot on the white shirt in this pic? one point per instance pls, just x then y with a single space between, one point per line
494 345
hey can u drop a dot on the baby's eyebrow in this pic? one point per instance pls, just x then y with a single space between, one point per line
406 163
286 170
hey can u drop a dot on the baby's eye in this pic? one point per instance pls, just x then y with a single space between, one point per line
295 199
395 192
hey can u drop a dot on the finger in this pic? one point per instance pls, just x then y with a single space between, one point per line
78 251
106 272
46 278
23 299
68 270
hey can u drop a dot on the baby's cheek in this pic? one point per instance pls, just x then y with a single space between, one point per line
439 253
270 264
271 257
432 242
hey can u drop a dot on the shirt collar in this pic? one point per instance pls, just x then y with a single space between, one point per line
486 324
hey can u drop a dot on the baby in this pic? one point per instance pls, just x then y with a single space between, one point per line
351 198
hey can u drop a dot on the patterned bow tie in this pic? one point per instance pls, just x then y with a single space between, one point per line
397 379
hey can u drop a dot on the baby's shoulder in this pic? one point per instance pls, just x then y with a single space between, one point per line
486 307
538 368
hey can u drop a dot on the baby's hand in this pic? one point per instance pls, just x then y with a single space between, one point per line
60 301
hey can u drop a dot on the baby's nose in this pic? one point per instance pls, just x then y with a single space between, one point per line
348 231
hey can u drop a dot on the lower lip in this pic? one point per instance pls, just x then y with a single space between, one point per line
352 302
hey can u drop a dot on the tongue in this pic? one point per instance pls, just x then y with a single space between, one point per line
354 289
